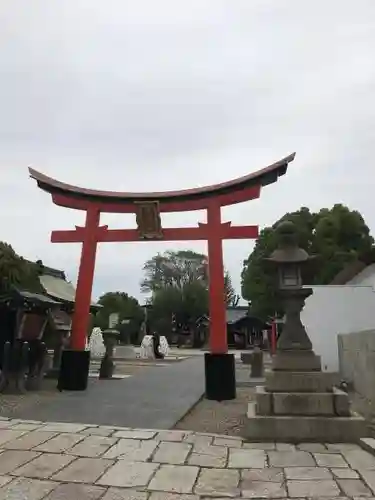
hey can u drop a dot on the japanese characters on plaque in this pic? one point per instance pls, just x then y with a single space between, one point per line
148 220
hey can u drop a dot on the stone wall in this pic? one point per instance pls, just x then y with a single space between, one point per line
357 367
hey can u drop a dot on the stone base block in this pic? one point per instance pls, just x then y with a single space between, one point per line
300 381
220 375
296 361
295 403
368 444
263 401
74 370
341 402
297 429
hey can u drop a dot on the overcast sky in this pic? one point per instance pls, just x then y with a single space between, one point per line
166 94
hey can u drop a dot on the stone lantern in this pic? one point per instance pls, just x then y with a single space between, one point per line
110 338
299 402
290 261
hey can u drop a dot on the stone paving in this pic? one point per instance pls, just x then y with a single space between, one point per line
68 461
156 397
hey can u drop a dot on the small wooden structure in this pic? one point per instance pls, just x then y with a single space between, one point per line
24 319
43 320
243 329
56 286
247 332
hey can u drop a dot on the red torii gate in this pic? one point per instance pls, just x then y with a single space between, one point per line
220 370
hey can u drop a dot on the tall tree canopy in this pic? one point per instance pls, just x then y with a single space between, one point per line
178 282
337 235
174 269
177 269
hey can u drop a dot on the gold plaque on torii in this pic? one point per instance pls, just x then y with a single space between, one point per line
148 220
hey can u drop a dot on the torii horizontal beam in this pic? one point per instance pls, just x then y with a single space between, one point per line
105 235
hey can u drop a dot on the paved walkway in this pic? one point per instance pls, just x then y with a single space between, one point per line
156 397
53 461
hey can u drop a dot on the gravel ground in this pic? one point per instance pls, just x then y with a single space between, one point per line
10 403
227 417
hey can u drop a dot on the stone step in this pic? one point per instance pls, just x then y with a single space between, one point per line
368 444
341 402
331 403
296 361
300 381
297 403
296 429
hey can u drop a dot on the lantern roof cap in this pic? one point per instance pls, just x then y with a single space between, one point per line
289 256
288 251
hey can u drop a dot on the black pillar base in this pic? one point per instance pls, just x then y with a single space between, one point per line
220 371
74 370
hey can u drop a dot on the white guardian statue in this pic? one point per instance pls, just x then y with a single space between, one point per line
147 350
96 343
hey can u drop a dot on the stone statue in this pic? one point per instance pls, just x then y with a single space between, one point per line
149 346
96 344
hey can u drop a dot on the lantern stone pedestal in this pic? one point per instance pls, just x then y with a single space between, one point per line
299 403
256 363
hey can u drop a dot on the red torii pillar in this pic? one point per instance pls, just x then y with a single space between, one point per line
219 365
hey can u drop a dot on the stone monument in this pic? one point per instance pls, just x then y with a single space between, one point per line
298 402
256 363
126 349
96 344
147 350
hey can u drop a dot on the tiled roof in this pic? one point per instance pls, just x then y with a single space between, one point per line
15 293
58 288
233 314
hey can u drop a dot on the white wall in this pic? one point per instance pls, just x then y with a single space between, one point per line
334 309
357 366
365 278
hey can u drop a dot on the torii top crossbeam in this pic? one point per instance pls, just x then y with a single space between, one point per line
148 207
227 193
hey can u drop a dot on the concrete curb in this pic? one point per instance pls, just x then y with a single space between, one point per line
188 411
368 444
252 382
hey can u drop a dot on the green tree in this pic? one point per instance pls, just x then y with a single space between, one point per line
178 282
16 271
337 235
177 269
125 305
186 304
174 269
232 298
